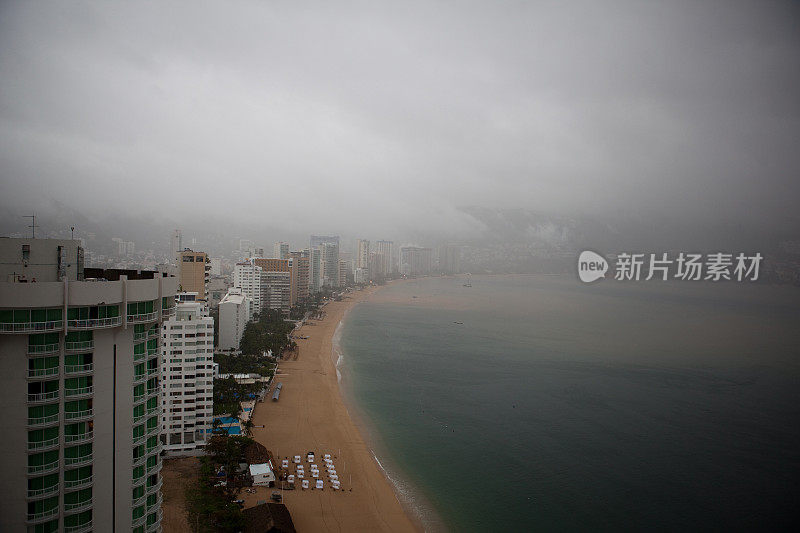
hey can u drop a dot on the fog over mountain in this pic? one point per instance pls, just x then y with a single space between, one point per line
677 121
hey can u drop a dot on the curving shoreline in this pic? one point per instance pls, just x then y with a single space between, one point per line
312 415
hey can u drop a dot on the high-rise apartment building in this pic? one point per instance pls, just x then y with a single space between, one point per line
80 391
415 261
280 250
247 276
276 284
384 257
187 381
329 264
344 268
362 255
314 269
299 267
194 269
235 311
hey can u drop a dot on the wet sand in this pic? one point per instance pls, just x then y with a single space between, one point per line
311 415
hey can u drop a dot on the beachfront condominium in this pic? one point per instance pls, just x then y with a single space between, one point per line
280 250
415 261
194 269
344 269
314 269
187 384
450 259
329 260
276 284
362 257
299 268
384 257
328 246
247 277
79 390
235 310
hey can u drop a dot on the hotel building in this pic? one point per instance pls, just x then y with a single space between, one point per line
79 391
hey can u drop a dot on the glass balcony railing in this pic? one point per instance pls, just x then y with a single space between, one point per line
43 420
42 515
43 444
139 335
94 323
70 461
168 311
42 372
32 327
157 524
79 346
143 317
79 369
78 483
83 528
82 391
41 349
74 415
82 437
139 521
43 469
77 507
34 493
43 396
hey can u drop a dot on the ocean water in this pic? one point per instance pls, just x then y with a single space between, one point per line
557 406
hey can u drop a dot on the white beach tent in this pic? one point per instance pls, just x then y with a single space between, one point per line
310 457
296 458
314 473
285 463
336 485
305 484
319 484
327 457
290 479
334 477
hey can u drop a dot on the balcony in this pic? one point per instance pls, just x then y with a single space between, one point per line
78 415
139 501
79 529
140 438
43 397
94 323
139 336
152 351
35 493
156 487
153 430
168 312
76 370
139 521
43 469
154 468
43 515
78 461
152 372
77 484
32 327
83 391
157 503
43 444
40 373
143 317
153 410
153 333
43 421
157 524
139 378
79 346
42 349
73 508
139 461
83 437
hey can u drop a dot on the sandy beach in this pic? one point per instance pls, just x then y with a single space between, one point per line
311 415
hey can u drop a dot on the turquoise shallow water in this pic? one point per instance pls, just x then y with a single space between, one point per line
559 406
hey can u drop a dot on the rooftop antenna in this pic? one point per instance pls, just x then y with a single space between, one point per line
33 225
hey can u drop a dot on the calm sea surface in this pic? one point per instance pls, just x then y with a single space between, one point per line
561 406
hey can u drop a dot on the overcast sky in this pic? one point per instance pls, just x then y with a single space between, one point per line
340 116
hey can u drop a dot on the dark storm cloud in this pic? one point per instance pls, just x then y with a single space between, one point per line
385 116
